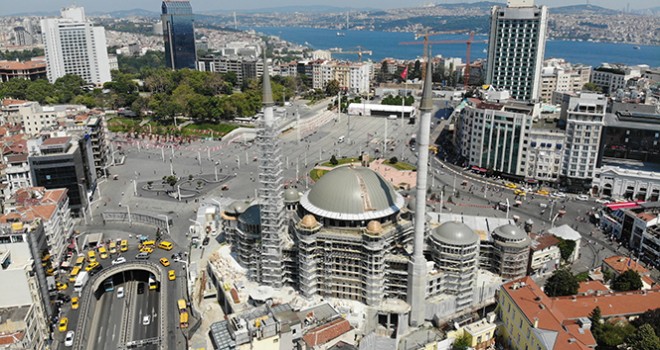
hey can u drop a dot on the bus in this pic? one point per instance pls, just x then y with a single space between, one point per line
109 285
74 274
153 284
183 313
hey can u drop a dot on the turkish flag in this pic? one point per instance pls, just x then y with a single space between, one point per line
404 75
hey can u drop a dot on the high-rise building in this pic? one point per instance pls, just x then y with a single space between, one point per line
73 45
178 34
516 47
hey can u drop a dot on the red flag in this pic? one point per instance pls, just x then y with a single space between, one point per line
404 75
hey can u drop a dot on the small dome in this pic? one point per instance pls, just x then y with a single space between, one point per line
455 233
510 232
237 207
308 221
251 216
291 195
374 227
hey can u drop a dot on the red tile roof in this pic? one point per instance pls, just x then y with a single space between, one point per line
591 287
622 263
56 141
8 339
16 65
543 241
10 101
554 313
327 332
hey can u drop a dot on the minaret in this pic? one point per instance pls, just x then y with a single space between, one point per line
270 193
417 266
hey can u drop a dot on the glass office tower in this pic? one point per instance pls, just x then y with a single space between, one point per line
179 34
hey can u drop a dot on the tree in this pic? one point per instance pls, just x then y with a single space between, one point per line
462 342
629 280
612 335
644 339
651 317
333 160
592 87
566 248
332 88
171 180
562 282
393 160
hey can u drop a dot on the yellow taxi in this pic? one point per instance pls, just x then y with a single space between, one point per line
164 262
103 253
165 245
92 266
511 185
63 325
112 248
147 250
519 193
171 275
91 256
74 303
543 192
123 246
61 286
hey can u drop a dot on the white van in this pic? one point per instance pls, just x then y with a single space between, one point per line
341 139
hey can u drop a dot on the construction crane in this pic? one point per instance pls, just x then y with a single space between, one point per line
360 51
468 42
426 48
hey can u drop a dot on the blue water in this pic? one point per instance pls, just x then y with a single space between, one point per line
386 44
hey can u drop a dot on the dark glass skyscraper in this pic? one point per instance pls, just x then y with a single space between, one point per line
179 34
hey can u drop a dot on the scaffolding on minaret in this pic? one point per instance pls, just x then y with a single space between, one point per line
271 201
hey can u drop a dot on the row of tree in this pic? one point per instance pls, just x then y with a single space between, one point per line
563 282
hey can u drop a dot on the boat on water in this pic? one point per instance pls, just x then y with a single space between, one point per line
636 47
341 34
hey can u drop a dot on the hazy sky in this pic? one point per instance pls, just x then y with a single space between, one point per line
9 7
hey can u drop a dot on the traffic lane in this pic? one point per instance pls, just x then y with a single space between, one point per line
110 336
103 307
147 304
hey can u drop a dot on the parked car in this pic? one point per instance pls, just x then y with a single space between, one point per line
119 260
68 340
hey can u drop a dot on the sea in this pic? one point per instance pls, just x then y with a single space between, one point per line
388 45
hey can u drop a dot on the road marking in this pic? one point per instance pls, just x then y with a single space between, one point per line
114 329
99 338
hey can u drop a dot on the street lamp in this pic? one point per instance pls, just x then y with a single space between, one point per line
167 223
83 192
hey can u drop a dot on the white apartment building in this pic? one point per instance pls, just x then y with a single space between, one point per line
17 172
35 117
495 135
24 324
628 182
355 77
583 115
610 78
545 152
516 48
74 46
558 75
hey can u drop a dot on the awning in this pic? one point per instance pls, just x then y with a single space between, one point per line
623 205
481 170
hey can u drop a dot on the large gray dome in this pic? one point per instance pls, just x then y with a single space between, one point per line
455 233
251 216
352 193
510 232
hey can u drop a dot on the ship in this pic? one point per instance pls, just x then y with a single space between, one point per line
341 34
636 47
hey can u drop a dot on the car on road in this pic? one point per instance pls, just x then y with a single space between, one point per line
74 303
147 250
120 292
543 192
112 248
68 340
142 256
146 320
119 260
92 266
171 275
558 195
61 286
603 201
164 262
165 245
511 185
123 246
63 325
103 253
519 193
140 288
91 256
582 197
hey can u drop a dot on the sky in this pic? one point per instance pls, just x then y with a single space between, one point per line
10 7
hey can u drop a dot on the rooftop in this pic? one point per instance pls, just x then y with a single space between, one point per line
56 141
16 65
325 333
622 263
